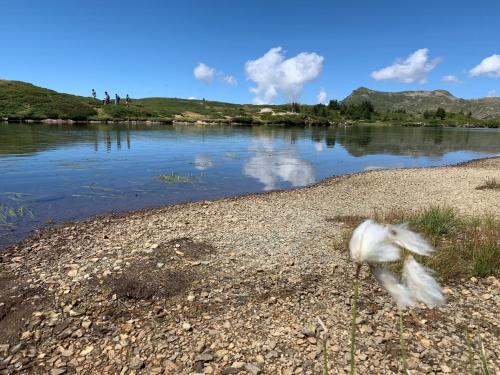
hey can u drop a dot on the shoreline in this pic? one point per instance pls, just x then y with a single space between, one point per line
235 123
236 284
124 214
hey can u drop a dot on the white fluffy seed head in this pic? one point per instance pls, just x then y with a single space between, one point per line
422 285
399 292
407 239
370 242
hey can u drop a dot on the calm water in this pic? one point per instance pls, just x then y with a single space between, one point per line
55 173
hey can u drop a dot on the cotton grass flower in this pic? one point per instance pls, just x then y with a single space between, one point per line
399 292
422 285
375 243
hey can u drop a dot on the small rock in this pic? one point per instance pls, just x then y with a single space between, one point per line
205 357
238 364
72 273
136 363
186 326
254 370
87 351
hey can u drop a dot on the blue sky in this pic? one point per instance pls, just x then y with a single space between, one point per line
151 48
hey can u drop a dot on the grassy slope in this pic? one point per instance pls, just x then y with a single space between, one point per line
24 100
19 100
420 101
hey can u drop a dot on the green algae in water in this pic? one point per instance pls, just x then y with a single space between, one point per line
175 178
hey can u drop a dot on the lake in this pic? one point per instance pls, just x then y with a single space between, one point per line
57 173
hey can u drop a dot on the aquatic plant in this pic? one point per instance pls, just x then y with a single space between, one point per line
175 178
375 244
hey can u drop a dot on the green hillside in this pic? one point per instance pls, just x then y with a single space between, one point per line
421 101
23 101
20 100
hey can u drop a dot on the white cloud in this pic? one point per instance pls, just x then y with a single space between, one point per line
414 68
492 94
274 75
230 80
321 96
204 73
490 66
451 79
269 166
192 98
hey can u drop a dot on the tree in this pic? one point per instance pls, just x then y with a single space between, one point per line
334 105
440 113
295 107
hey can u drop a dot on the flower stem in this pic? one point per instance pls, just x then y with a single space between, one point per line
402 342
325 359
482 355
354 316
471 354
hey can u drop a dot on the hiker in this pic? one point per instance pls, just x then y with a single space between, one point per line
94 95
106 98
117 99
127 100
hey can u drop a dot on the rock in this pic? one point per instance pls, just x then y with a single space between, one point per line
72 273
136 363
309 330
254 370
205 357
186 326
87 351
57 371
238 364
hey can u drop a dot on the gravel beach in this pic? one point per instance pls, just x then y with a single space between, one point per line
237 286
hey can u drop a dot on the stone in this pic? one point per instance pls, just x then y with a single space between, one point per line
72 273
87 351
205 357
186 326
136 363
254 370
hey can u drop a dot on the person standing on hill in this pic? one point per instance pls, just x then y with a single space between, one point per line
117 99
106 97
94 95
127 100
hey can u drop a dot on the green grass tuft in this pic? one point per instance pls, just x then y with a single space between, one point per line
465 246
490 184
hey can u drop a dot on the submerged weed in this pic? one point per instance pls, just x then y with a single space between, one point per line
175 178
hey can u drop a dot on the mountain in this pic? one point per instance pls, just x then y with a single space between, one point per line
420 101
24 100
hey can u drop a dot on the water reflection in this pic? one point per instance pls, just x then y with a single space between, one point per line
270 166
203 162
68 172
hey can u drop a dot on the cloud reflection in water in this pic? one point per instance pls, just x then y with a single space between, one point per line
270 166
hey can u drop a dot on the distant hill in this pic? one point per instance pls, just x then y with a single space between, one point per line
26 101
20 101
420 101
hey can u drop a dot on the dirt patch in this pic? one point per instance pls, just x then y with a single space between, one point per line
16 306
144 283
188 247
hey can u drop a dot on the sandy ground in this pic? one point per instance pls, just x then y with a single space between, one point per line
237 285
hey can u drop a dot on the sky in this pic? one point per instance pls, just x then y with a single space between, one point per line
252 51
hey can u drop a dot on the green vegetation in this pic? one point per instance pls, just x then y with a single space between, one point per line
490 184
465 246
21 101
175 178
